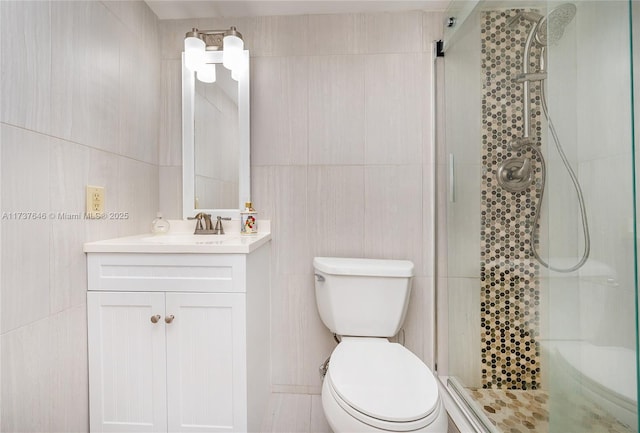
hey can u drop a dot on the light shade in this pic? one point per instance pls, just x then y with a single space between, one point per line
240 68
194 53
207 73
232 51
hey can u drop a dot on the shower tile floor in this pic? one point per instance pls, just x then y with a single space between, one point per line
515 411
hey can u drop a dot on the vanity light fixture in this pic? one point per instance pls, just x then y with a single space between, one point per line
198 42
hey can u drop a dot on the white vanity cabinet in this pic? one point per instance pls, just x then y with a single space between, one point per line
178 342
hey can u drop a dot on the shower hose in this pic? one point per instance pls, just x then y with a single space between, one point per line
576 186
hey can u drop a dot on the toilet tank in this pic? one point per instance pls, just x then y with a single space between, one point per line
362 297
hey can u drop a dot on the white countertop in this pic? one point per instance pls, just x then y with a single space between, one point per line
181 240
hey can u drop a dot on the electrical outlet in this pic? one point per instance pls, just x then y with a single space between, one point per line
95 201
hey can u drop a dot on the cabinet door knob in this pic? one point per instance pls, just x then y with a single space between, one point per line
169 318
154 319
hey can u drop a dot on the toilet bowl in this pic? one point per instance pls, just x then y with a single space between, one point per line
371 384
374 385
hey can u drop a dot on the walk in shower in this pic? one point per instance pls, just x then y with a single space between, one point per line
538 269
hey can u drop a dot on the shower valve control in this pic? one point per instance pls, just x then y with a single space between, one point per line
515 174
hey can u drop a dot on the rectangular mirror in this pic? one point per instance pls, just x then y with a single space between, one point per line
215 141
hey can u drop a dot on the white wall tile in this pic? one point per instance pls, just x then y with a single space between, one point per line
69 168
25 290
393 105
336 34
279 110
319 422
280 35
26 385
26 64
397 32
432 29
29 383
336 110
393 213
137 182
44 280
288 330
85 73
170 138
316 99
170 188
336 210
416 319
172 34
69 371
290 226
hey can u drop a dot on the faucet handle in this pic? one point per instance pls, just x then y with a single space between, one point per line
219 230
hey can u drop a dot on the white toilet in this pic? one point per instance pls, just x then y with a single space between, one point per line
373 385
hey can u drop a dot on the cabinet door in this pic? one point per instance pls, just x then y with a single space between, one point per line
206 362
127 369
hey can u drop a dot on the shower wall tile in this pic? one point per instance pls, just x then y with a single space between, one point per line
603 57
510 296
279 110
397 80
26 65
465 355
336 110
464 241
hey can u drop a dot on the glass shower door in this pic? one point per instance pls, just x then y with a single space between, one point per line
541 280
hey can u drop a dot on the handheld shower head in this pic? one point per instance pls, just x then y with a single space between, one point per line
551 27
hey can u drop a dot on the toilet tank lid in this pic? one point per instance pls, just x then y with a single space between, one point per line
363 267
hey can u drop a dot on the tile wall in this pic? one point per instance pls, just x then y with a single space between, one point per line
80 105
340 159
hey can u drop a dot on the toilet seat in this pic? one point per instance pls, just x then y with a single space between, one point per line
382 384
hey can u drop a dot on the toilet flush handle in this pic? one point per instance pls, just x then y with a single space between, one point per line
319 278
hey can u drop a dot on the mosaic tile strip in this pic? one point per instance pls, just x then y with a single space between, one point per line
510 291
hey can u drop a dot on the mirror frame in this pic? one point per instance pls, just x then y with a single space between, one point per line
188 145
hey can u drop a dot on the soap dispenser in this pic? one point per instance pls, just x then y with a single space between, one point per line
248 220
159 226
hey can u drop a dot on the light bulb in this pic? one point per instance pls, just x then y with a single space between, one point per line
207 73
232 51
194 49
